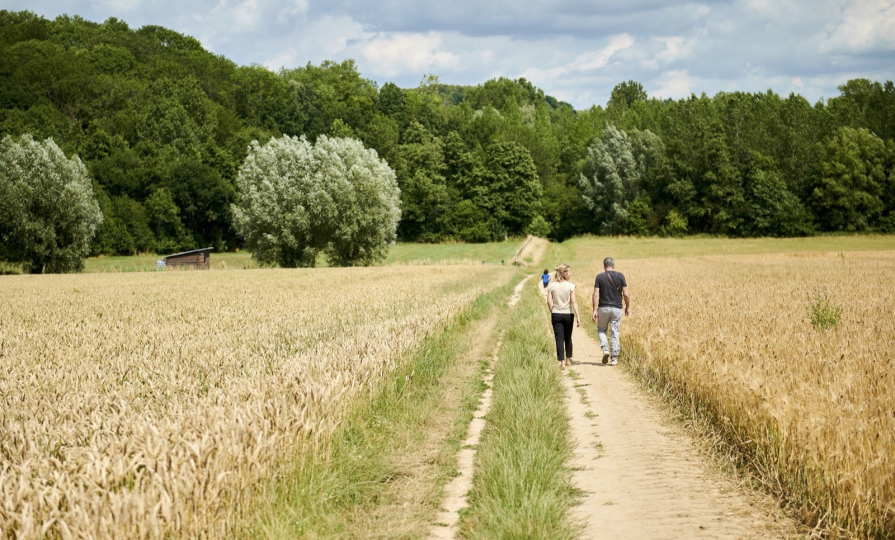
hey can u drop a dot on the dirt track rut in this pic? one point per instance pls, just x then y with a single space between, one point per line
642 475
457 490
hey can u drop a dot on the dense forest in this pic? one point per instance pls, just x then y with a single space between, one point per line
163 126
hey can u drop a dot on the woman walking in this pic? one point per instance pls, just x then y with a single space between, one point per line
563 312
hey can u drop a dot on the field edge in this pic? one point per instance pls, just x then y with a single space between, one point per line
329 495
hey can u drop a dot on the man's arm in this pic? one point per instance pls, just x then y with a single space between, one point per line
627 300
595 301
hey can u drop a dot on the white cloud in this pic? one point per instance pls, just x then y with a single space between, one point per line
285 58
676 48
588 61
292 9
119 6
675 84
391 54
598 59
245 16
574 50
866 25
327 38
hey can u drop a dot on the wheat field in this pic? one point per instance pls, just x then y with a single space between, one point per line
154 405
810 412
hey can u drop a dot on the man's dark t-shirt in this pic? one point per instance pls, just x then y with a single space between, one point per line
609 294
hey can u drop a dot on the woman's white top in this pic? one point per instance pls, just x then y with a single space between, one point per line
562 292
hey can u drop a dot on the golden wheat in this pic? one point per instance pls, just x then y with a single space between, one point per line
813 411
152 405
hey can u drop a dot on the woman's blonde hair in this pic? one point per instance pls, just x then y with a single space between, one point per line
562 272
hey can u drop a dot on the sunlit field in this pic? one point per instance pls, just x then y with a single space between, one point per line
401 254
788 355
588 249
147 263
454 253
153 405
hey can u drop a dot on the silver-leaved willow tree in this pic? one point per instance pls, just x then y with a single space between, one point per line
298 199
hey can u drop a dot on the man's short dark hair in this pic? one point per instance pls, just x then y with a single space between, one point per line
608 262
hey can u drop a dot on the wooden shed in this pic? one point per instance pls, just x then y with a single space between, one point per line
196 258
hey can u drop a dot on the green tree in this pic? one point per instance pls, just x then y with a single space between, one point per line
538 227
298 199
772 210
705 184
626 94
366 200
675 224
164 219
131 216
610 181
392 101
266 99
640 216
425 200
849 194
329 91
507 187
867 104
48 211
284 209
470 223
203 196
496 93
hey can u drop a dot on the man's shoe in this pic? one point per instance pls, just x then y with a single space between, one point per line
614 362
605 357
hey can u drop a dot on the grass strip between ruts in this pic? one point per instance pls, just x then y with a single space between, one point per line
345 491
521 486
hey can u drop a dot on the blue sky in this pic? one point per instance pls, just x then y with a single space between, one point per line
576 50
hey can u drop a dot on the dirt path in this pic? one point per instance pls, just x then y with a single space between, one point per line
456 491
642 475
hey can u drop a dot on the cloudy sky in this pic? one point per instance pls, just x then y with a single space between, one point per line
576 50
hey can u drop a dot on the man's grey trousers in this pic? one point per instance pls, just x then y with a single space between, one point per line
609 317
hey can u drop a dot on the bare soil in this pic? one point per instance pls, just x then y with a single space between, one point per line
641 474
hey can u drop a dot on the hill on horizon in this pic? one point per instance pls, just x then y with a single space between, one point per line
163 126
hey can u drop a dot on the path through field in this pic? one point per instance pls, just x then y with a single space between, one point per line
642 475
456 491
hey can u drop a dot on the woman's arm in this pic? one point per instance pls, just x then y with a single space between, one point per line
549 301
575 308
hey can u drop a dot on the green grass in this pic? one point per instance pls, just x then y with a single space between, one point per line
400 254
574 251
822 312
347 490
521 487
147 263
454 253
589 248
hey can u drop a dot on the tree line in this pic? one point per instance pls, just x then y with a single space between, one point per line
163 127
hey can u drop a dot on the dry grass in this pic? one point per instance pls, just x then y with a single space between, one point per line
809 412
532 251
153 405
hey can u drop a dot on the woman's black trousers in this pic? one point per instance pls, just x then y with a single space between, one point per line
562 330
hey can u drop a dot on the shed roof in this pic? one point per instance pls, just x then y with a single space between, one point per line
165 258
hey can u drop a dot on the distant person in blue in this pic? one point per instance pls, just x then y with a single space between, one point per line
546 277
610 288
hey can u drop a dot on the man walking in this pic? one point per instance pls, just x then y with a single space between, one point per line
609 289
